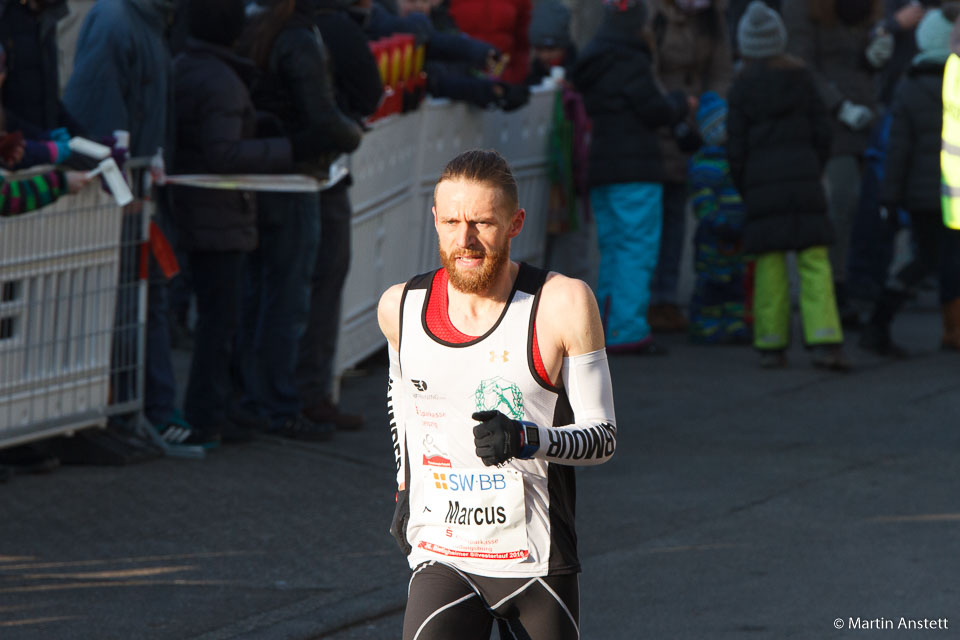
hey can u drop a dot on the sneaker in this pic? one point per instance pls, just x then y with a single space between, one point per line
300 427
175 430
830 356
773 359
327 411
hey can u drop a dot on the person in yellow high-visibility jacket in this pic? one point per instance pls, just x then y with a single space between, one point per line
950 176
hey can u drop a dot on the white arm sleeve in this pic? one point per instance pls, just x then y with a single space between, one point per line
592 438
396 414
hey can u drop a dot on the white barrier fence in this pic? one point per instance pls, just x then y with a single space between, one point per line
58 275
394 174
60 280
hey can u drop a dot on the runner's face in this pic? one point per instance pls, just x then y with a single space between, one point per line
474 233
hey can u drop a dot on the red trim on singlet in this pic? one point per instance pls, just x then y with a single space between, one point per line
440 325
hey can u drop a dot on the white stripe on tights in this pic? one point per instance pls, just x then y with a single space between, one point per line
440 610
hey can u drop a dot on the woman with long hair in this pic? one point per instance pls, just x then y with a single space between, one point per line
843 45
295 86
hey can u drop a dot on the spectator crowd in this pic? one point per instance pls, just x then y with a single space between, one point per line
804 127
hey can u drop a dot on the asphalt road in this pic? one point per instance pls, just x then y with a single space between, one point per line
741 503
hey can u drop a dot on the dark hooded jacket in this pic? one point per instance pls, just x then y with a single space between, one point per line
356 78
216 125
297 87
778 142
31 92
121 73
626 105
911 177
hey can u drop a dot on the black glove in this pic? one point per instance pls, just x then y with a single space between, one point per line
687 137
308 145
497 437
398 527
514 96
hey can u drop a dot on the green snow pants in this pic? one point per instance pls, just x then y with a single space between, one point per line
771 302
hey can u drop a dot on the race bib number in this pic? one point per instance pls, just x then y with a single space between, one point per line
474 513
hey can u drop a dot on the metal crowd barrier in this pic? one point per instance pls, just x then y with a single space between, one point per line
73 309
58 276
73 275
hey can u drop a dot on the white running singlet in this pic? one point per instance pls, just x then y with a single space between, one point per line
513 520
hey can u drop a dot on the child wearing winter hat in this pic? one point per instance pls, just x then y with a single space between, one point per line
778 144
912 182
550 41
716 307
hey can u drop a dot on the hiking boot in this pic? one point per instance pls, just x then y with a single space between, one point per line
666 318
29 458
876 338
302 428
327 411
951 326
830 356
773 359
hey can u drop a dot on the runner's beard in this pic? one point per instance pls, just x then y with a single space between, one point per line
474 281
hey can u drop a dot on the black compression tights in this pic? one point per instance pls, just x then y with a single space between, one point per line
445 603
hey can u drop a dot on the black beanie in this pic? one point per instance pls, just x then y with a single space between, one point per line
550 25
217 21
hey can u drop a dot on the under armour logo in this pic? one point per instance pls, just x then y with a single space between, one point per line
420 385
504 358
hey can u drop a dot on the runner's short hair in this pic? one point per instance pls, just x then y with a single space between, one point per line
485 166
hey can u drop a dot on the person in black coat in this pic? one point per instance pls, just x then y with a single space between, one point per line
295 85
453 59
626 104
912 182
31 93
778 144
217 228
358 91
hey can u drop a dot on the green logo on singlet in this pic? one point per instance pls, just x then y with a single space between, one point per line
497 394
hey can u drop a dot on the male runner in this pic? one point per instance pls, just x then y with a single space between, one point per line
498 385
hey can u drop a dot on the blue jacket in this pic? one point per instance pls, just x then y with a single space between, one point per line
121 73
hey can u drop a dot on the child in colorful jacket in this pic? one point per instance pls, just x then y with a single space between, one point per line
29 194
717 305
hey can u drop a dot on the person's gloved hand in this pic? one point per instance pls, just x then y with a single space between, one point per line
687 138
398 526
497 437
63 150
512 96
855 116
880 49
307 145
60 134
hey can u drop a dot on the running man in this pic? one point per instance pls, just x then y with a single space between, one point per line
498 387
